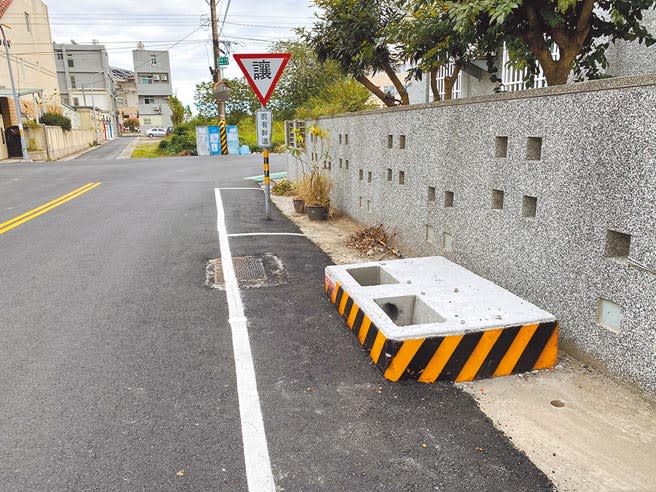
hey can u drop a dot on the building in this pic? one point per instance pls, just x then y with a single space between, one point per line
127 100
153 80
84 78
32 61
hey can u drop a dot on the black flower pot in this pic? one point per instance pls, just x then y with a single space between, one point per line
317 212
299 205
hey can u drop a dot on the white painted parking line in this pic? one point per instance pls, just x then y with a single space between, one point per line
243 234
256 451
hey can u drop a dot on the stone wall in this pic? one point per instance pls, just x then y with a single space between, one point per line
550 193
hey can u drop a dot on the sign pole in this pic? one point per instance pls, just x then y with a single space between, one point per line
267 180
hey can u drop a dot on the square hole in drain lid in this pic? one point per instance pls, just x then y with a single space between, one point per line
408 310
373 275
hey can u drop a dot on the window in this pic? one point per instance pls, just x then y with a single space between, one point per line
401 177
390 141
361 174
534 148
346 139
529 206
71 63
448 199
501 149
28 25
164 77
76 101
149 100
60 55
153 59
618 245
401 142
147 121
369 177
431 193
389 174
73 83
146 79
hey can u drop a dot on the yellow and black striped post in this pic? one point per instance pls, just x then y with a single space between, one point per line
224 137
267 184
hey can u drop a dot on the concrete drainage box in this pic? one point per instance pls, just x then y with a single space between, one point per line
429 319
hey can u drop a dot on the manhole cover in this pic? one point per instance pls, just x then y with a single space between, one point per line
251 272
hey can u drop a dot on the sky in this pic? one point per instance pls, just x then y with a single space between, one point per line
119 24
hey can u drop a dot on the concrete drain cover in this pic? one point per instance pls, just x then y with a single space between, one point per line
251 272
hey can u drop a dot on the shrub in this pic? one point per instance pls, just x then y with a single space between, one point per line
282 187
54 119
164 144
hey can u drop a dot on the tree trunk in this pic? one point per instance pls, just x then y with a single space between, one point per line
433 85
400 88
375 90
450 81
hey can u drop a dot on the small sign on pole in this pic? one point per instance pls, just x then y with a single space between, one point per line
222 61
264 119
262 71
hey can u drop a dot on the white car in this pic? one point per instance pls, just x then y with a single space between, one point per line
156 132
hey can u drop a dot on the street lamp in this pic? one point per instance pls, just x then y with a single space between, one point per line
26 156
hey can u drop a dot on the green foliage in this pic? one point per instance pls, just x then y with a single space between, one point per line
343 96
581 29
56 119
355 34
282 187
178 111
248 134
204 101
242 103
147 151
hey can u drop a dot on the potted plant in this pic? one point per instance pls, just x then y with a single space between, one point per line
313 187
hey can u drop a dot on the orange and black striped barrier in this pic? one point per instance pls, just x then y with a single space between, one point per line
455 357
224 137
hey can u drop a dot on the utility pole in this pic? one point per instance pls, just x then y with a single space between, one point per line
216 73
19 116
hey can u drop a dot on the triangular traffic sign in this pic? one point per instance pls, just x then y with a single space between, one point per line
262 71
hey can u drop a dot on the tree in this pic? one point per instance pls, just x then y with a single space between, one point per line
304 77
354 33
242 102
132 124
178 112
204 101
581 29
428 40
343 96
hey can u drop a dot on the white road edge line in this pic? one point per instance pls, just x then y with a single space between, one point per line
256 452
243 234
257 188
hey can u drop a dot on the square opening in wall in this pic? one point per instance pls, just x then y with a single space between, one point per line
408 310
501 148
401 142
609 314
618 245
529 206
374 275
340 138
330 165
497 199
361 174
369 177
447 242
431 193
340 164
368 205
346 139
534 148
389 174
401 177
430 234
448 199
361 201
390 141
346 164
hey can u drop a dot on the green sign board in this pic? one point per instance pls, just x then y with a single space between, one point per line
222 61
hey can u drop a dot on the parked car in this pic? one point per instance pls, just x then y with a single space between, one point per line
156 132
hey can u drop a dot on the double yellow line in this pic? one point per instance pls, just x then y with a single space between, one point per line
46 207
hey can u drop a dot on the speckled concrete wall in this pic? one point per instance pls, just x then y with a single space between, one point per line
594 169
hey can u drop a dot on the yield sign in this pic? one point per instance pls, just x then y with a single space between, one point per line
263 71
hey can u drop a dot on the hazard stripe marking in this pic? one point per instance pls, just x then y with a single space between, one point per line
498 352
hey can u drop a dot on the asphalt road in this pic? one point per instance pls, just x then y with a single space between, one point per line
117 370
108 151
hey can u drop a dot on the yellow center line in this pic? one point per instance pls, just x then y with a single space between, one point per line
46 207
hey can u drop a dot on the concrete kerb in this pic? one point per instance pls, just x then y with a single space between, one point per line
429 319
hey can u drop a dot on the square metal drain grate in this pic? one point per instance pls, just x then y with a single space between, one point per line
251 272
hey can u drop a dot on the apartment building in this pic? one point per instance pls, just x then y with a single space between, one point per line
32 62
127 100
153 80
